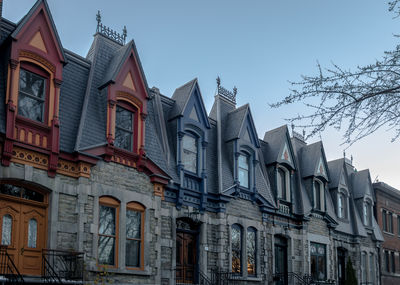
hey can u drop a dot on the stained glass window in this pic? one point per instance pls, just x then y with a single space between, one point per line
251 250
107 235
6 230
189 154
31 98
124 129
236 244
243 170
32 233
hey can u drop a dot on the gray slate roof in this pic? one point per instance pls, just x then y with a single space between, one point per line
181 97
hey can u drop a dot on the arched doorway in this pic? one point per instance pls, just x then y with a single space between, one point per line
186 251
23 224
281 260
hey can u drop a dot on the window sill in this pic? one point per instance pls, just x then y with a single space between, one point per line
388 233
144 272
248 278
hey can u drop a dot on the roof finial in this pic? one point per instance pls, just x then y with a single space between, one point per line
124 33
344 153
230 95
292 127
218 81
304 134
234 91
98 19
351 159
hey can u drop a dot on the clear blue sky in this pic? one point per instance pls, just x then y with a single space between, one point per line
257 45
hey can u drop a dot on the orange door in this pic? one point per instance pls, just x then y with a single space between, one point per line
32 239
9 227
23 229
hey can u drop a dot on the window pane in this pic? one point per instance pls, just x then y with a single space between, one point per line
32 233
132 255
281 184
318 195
244 162
106 250
10 190
123 139
124 119
251 251
236 248
371 268
189 143
107 220
133 224
6 230
244 178
30 108
318 261
32 195
31 95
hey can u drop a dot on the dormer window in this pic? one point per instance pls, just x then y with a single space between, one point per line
124 128
32 93
319 197
190 153
243 170
283 186
342 205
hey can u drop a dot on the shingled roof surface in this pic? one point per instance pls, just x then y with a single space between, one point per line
181 97
335 170
235 122
274 139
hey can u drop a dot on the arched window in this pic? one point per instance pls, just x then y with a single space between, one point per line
283 187
190 153
244 170
108 231
6 230
367 215
236 245
134 235
342 205
319 195
251 248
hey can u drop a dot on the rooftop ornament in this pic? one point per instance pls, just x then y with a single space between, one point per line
109 33
230 95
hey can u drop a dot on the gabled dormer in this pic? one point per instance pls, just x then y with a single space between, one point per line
315 171
33 93
281 165
364 197
189 120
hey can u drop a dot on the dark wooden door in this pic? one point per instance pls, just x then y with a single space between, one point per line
185 257
341 266
281 261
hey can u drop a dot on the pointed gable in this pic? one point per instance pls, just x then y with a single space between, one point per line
125 74
313 162
239 124
37 33
362 185
279 147
189 103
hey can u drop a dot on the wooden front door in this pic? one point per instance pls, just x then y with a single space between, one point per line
23 231
281 261
185 257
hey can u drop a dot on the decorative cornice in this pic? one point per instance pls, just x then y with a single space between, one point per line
38 58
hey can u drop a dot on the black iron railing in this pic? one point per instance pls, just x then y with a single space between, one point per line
60 265
220 277
293 278
8 269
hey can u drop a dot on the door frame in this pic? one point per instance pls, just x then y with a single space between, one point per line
19 200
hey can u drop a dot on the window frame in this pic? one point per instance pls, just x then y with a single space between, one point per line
367 213
254 231
240 250
286 173
321 191
384 220
342 204
111 202
137 207
134 132
37 71
247 157
197 145
319 255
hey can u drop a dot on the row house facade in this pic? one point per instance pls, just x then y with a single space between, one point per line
105 179
387 213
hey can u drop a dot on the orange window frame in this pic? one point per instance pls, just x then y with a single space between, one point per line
135 124
134 206
112 203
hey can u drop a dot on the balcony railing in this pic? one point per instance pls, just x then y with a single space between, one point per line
8 270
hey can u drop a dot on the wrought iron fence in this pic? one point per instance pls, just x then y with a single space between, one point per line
8 269
61 265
